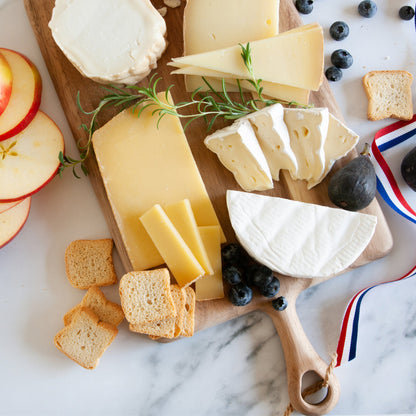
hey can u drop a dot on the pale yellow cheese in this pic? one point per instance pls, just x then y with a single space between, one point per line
216 24
270 89
181 215
211 287
141 165
295 58
171 246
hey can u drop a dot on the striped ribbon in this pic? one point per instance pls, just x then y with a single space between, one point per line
386 139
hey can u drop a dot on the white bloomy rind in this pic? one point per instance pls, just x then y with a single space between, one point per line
299 239
107 40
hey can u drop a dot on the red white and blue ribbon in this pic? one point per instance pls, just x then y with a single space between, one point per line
397 138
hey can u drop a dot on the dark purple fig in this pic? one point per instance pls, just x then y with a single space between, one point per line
354 186
408 168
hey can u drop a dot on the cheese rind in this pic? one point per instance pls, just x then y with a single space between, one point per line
274 140
181 215
171 246
297 59
238 150
143 164
211 287
84 30
296 238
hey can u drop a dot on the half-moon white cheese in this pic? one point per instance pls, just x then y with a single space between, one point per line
107 40
299 239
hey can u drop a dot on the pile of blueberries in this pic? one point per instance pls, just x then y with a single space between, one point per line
243 274
342 59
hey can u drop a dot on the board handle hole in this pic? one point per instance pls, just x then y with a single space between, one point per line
314 391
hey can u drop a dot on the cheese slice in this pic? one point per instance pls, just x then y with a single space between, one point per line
212 25
274 140
308 128
239 151
172 247
296 238
181 215
143 164
109 41
211 287
270 89
297 59
339 141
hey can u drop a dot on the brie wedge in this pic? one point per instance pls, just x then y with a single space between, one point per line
239 151
299 239
109 41
274 140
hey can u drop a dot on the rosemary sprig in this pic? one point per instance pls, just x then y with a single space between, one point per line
209 105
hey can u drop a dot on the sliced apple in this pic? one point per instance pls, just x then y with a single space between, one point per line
6 81
4 206
29 160
25 96
13 220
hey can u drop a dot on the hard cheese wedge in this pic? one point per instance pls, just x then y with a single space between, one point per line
294 59
172 247
239 151
212 25
211 287
141 165
299 239
181 215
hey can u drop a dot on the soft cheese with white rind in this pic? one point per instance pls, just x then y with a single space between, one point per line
308 128
299 239
274 140
339 141
109 41
239 151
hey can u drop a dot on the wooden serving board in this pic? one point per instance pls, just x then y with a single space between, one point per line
300 355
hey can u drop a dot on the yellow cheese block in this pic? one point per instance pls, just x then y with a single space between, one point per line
217 24
293 58
211 287
270 89
181 215
171 246
142 165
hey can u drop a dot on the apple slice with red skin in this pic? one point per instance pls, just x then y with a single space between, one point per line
4 206
6 82
25 96
29 160
13 220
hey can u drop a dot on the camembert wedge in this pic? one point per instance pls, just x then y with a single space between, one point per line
299 239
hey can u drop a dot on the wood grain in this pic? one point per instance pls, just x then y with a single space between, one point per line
300 355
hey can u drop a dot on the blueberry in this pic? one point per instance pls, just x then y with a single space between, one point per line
280 303
339 30
259 275
333 73
271 288
231 254
406 13
240 294
341 58
232 275
304 6
367 8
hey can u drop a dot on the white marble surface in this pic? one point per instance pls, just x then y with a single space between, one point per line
236 368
